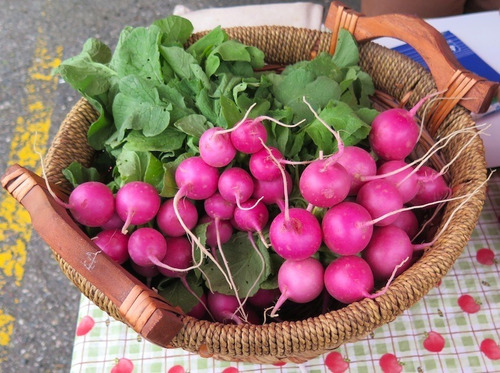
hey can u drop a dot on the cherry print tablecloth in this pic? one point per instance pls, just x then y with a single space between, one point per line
469 329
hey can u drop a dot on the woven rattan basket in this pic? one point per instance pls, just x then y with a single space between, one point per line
129 301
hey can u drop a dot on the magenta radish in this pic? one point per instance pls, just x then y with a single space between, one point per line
347 228
264 298
252 220
380 197
196 179
394 132
263 167
114 243
216 148
218 207
349 279
404 180
300 281
113 223
432 187
91 204
148 272
324 183
407 221
248 136
387 249
137 203
295 236
147 247
224 307
222 228
272 191
178 258
235 185
199 310
168 222
358 163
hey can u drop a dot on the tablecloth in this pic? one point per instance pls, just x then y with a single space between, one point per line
437 314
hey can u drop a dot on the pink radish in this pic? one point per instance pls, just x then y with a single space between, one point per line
432 187
218 207
300 281
216 148
263 167
380 197
168 222
137 203
91 204
272 191
247 137
324 183
196 179
358 163
394 132
404 181
147 247
114 244
235 185
347 228
295 236
388 247
178 258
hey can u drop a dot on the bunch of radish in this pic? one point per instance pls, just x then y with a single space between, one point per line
366 196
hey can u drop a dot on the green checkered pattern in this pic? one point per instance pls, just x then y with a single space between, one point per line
438 311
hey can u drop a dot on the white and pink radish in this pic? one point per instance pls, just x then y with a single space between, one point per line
137 203
432 187
300 281
217 207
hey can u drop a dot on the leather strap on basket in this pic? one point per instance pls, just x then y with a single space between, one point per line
462 86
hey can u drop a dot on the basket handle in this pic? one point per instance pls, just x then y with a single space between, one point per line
462 86
139 307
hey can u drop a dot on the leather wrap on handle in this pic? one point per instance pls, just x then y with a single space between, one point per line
140 307
460 85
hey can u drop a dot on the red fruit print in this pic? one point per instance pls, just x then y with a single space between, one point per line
390 364
336 362
124 365
468 304
485 256
434 342
490 348
177 369
230 370
85 325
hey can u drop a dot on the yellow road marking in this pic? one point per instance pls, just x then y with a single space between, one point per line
15 222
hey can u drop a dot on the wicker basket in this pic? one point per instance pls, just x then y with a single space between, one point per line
129 301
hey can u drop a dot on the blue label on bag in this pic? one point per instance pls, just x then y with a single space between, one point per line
466 56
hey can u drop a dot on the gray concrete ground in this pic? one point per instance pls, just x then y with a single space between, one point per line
38 306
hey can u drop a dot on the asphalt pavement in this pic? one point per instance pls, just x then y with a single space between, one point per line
38 304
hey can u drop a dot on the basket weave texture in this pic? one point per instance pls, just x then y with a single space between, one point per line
299 341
